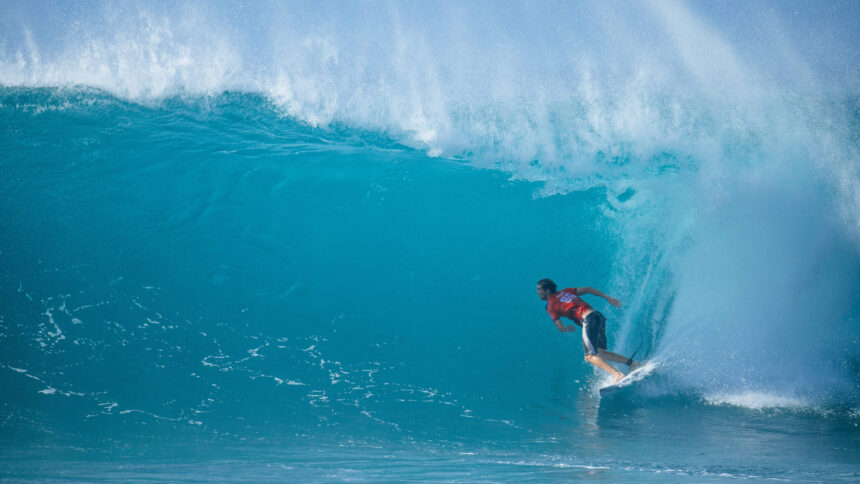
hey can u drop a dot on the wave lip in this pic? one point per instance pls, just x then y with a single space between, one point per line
560 86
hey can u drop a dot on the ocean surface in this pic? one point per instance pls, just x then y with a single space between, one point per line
299 241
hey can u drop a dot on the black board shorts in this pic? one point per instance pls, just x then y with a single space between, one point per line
593 333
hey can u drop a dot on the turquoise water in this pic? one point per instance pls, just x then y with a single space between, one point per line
302 243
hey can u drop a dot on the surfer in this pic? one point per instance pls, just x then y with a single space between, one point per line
567 303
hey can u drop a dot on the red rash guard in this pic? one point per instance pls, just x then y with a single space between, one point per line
566 303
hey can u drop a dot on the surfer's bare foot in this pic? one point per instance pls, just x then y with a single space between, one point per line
635 366
618 377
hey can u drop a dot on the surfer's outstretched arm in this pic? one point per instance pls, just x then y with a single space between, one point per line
590 290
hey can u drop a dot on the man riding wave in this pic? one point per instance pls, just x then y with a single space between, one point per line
567 303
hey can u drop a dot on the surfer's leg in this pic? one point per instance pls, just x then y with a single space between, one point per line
599 362
594 343
608 355
596 327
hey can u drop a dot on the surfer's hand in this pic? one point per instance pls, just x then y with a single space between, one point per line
614 302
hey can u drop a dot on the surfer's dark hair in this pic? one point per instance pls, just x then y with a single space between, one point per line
547 285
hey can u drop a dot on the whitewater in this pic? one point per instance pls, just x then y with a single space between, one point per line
300 241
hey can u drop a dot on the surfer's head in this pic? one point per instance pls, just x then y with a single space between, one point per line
545 287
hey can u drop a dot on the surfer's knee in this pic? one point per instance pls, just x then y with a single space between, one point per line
590 358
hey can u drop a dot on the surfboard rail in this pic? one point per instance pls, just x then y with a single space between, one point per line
632 377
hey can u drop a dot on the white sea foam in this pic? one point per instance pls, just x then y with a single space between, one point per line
756 400
646 369
510 89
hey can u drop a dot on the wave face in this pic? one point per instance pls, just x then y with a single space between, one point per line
325 221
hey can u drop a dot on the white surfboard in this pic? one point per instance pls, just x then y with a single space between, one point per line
632 377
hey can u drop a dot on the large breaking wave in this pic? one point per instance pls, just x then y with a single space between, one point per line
718 162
